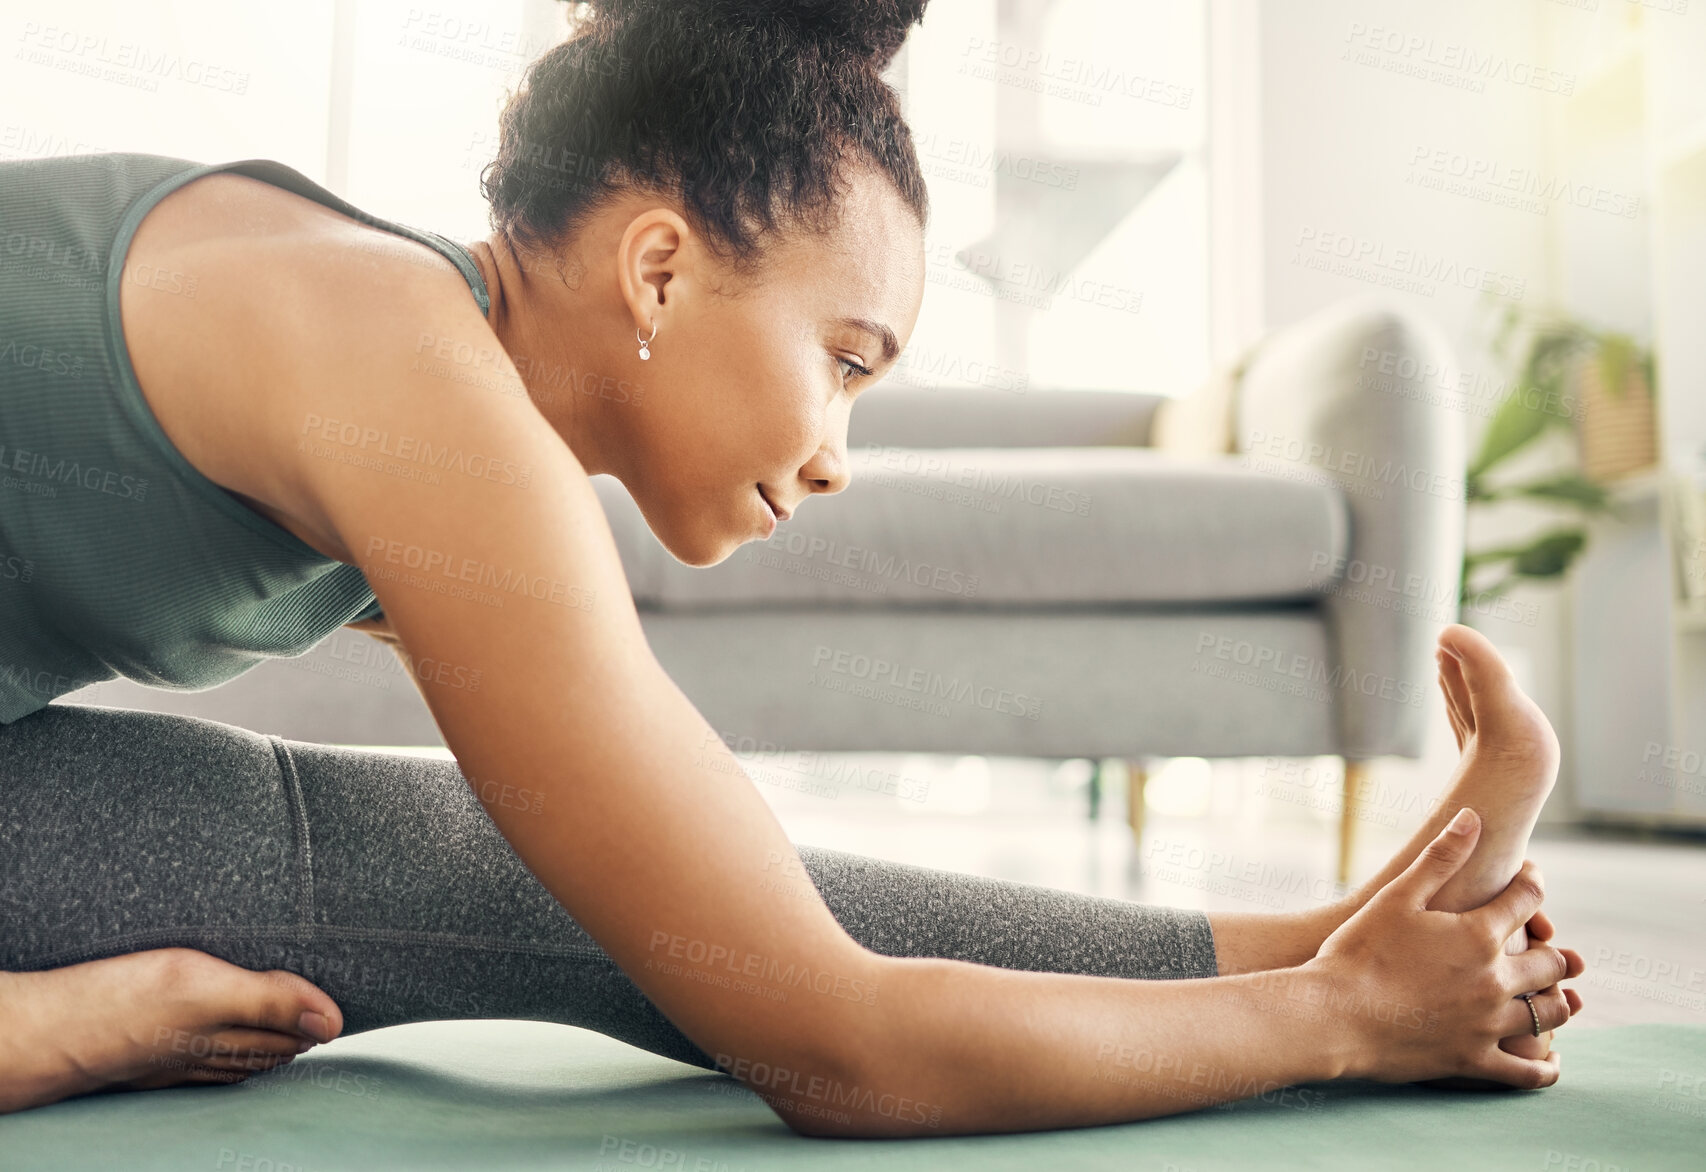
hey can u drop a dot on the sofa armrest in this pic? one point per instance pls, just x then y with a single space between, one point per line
1355 396
978 417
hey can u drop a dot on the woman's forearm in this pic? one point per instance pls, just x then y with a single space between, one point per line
956 1048
1399 992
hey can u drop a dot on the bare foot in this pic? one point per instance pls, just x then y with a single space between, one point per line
1506 741
150 1019
1509 763
1510 760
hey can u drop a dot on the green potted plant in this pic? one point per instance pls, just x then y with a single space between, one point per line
1562 371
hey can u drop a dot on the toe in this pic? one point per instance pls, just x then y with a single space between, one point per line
176 1075
275 1002
1451 713
313 1000
1456 726
1457 693
246 1049
258 1064
1482 667
1503 720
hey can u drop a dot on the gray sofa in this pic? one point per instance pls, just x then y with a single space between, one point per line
1023 574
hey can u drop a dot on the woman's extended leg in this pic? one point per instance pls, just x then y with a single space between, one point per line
381 880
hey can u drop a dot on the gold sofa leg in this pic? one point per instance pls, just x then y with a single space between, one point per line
1356 776
1136 777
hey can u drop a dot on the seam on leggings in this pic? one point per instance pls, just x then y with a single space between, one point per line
299 824
168 937
1213 969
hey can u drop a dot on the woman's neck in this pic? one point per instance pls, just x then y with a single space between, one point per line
530 306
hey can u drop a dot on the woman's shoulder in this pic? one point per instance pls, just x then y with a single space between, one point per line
268 317
262 236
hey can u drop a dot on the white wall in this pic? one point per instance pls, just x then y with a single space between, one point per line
1396 140
1342 132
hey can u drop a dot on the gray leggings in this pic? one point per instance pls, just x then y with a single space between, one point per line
382 880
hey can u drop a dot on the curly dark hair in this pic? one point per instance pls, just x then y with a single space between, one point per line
744 112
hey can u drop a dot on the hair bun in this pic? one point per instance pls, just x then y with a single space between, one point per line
871 29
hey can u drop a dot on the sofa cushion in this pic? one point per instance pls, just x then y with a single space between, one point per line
1016 527
897 413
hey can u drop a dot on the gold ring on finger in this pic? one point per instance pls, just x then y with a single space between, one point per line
1533 1013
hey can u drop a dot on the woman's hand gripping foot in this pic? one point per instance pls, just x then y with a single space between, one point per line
1426 994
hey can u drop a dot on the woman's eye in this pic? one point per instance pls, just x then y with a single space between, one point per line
849 365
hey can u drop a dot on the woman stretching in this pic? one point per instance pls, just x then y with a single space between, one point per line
708 239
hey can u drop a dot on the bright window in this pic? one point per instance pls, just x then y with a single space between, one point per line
1064 146
1063 143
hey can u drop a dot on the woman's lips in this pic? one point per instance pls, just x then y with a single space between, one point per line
780 514
770 510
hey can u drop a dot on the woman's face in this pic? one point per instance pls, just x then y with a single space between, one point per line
746 394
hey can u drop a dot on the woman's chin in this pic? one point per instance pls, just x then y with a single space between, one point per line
703 550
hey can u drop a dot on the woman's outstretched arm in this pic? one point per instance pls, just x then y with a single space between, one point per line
626 804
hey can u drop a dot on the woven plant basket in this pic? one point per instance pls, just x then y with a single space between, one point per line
1617 434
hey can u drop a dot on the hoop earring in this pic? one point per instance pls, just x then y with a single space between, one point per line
646 353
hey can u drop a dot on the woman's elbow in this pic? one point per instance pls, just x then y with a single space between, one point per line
816 1090
846 1095
853 1070
869 1112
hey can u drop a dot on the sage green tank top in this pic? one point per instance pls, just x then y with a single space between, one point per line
117 557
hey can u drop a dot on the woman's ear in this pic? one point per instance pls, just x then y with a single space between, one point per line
649 257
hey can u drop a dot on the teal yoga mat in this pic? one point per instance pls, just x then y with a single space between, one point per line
521 1095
